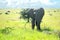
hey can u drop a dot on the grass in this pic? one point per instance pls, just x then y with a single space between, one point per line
23 31
27 34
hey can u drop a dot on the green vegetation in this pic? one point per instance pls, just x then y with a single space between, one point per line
14 28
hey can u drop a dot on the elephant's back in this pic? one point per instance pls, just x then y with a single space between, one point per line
39 14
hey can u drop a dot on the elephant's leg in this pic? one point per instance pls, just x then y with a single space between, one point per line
33 23
38 25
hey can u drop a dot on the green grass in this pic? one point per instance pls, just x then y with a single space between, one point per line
27 34
23 31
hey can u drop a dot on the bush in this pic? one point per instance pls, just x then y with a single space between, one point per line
6 30
7 12
0 13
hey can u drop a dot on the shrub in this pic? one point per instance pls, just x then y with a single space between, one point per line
6 30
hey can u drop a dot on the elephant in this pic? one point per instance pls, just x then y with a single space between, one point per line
36 15
37 18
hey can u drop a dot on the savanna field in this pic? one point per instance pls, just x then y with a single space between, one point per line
12 27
